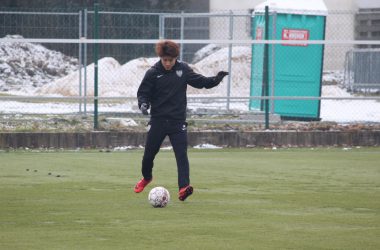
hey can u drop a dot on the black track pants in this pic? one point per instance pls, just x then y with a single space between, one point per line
177 132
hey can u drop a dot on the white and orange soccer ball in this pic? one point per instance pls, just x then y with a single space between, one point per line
159 197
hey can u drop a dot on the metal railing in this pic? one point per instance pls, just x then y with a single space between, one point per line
362 70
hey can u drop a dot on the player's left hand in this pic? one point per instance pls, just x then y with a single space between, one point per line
219 77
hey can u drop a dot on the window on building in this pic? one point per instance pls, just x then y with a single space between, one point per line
376 22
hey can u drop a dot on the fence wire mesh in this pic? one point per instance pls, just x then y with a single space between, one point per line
56 78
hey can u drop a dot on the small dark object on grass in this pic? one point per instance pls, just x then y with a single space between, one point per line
49 173
35 170
58 175
27 169
105 150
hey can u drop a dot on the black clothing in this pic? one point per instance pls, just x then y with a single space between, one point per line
165 90
177 132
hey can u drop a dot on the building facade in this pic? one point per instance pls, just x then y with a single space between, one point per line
367 25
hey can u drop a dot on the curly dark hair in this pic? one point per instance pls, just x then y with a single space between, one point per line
167 48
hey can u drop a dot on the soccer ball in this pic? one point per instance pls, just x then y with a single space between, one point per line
159 197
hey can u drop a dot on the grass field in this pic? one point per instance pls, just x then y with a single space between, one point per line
244 199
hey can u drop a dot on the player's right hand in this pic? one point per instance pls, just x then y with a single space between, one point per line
144 108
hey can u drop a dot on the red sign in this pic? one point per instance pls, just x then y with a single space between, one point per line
295 34
259 33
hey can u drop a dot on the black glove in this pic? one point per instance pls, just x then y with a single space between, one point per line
219 77
144 108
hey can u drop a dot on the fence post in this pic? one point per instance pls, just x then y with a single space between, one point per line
85 63
161 28
182 35
80 66
265 69
273 58
230 37
96 36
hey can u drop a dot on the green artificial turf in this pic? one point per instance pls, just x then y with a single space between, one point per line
243 199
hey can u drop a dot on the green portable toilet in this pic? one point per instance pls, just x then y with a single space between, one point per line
294 69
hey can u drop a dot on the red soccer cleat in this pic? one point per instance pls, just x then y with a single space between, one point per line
141 185
185 192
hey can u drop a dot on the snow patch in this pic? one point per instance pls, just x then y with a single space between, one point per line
205 51
124 80
24 67
310 7
124 122
123 148
114 79
347 110
240 71
207 146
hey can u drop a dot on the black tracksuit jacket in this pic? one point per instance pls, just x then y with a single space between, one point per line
165 90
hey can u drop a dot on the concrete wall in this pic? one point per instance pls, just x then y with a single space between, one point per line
225 139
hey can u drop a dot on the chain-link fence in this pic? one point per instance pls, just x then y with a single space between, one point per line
57 77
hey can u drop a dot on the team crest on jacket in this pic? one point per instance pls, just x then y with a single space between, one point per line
179 73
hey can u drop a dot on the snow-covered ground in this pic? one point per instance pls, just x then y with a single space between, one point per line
347 110
32 70
24 67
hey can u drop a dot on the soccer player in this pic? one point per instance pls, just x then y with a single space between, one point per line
163 91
